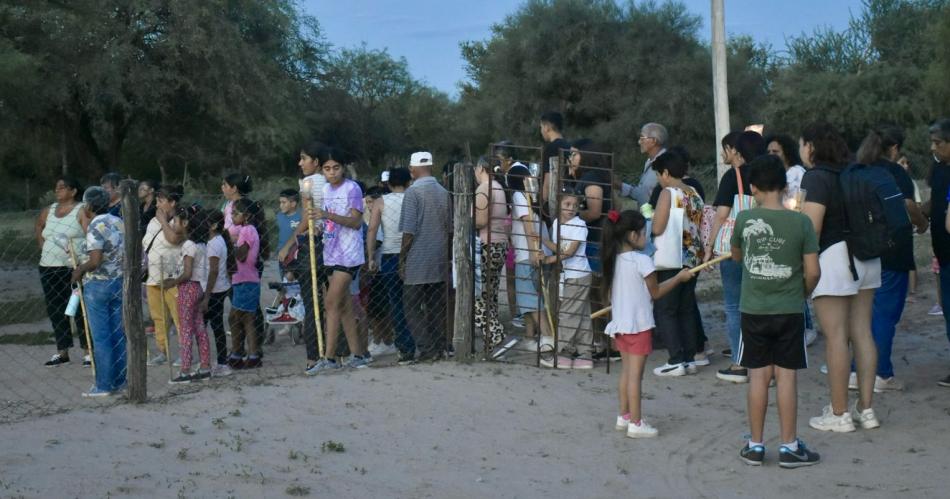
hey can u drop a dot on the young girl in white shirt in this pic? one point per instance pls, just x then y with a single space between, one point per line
630 282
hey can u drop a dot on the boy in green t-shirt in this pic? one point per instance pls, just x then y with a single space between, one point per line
778 249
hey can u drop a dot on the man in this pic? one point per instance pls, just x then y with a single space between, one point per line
554 145
940 186
425 223
110 182
653 139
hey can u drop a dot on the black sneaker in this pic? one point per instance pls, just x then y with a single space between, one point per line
727 352
181 379
406 358
802 457
57 360
604 355
753 456
201 375
941 382
740 375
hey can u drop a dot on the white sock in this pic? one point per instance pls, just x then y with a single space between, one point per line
793 446
753 444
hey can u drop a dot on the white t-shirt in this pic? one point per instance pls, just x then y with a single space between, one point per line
317 181
163 257
577 265
519 238
199 263
632 310
216 247
793 177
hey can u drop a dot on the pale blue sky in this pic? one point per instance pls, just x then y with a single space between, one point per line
427 32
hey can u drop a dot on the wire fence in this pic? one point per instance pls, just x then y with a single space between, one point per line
228 289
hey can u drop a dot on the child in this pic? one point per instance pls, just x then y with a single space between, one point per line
630 281
778 250
194 270
288 218
219 258
246 292
569 234
343 254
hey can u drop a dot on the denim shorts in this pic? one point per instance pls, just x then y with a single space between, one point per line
527 287
246 296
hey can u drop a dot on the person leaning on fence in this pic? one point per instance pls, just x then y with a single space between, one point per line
110 182
162 246
60 228
568 242
491 211
426 225
102 288
385 215
343 254
219 257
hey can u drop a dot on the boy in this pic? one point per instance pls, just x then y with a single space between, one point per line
288 218
778 250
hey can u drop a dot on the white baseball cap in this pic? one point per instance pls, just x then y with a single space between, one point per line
384 177
421 158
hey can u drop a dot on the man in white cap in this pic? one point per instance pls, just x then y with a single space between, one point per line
384 180
426 224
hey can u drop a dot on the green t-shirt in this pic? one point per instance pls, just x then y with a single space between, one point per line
773 243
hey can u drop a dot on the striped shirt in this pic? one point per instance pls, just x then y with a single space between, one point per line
426 214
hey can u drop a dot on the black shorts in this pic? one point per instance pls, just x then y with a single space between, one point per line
773 340
353 271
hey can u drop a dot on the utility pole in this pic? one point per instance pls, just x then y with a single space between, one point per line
720 85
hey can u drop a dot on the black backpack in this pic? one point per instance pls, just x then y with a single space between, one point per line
874 210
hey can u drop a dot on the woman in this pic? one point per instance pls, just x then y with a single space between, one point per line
845 293
162 248
738 150
491 211
102 289
147 207
59 229
588 174
234 186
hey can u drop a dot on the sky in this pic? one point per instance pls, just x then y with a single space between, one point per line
428 32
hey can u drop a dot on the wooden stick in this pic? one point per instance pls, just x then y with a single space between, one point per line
308 204
606 310
168 341
544 289
85 316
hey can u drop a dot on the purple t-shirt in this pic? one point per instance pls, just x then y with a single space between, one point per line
247 270
342 246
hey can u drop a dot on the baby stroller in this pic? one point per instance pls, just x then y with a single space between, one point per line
287 311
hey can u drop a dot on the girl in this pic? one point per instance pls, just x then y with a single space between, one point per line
220 258
630 282
569 235
194 272
491 210
246 289
162 243
234 186
675 313
525 238
342 217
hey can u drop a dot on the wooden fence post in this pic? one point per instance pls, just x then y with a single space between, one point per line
132 293
464 271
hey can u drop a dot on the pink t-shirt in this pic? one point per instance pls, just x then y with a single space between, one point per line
247 270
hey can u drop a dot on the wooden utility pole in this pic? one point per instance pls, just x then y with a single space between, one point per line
132 293
720 84
462 249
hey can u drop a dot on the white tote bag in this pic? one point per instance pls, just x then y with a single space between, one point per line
669 244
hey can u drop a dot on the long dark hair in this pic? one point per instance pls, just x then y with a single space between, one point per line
830 147
789 147
878 141
615 233
241 182
255 217
197 224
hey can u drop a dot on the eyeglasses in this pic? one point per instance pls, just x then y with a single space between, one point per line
644 137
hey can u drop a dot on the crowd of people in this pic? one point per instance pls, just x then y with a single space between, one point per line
374 264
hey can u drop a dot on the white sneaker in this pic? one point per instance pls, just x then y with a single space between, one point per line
221 370
622 423
853 381
517 322
829 422
891 384
935 310
380 349
700 359
823 369
810 336
670 370
157 360
177 362
691 367
866 418
642 430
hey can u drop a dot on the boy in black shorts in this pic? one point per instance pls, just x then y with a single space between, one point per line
778 249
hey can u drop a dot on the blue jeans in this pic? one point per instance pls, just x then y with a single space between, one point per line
593 256
392 290
104 309
731 291
888 307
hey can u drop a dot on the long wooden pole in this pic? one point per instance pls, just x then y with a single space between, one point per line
311 240
85 315
132 293
462 251
606 310
720 82
168 341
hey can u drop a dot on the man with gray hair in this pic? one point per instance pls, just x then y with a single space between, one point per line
653 139
940 238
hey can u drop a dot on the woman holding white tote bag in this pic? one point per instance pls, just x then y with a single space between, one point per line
676 222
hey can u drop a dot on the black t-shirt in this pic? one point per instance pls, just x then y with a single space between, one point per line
552 149
901 258
690 181
579 186
939 189
146 215
822 187
729 186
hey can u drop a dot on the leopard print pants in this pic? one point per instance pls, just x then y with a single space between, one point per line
486 305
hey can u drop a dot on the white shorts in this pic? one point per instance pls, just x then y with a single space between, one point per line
836 278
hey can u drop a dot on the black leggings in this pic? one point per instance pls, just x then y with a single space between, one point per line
56 289
215 316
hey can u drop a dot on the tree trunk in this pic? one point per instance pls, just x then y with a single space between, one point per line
132 293
462 248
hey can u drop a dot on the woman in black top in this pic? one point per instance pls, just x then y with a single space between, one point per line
842 302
